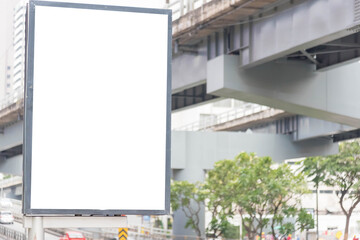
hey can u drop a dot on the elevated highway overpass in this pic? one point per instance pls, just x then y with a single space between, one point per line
215 67
293 55
263 30
296 56
299 56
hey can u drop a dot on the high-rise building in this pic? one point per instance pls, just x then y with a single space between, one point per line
7 23
19 50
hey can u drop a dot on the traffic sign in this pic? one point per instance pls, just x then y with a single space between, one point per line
123 233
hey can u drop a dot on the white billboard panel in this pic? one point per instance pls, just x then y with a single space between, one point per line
97 113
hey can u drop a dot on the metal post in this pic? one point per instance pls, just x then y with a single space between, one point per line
181 8
317 213
165 222
189 5
240 228
37 229
317 203
27 233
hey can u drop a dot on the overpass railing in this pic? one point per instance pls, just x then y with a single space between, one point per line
135 232
10 181
138 232
11 99
17 210
181 7
213 120
7 233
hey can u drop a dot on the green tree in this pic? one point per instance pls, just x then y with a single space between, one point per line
252 186
261 193
315 170
251 192
218 188
158 223
189 198
285 190
343 173
232 232
304 220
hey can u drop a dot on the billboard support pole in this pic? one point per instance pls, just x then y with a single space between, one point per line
37 229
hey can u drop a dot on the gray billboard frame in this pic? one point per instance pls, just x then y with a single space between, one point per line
28 115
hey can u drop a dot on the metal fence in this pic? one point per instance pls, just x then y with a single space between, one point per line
10 181
8 233
181 7
12 98
208 122
17 210
138 232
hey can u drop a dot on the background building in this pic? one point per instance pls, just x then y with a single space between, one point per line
19 50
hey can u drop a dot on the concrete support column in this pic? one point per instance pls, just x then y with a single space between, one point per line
191 174
37 229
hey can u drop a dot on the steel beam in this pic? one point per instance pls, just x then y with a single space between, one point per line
294 87
303 26
311 58
12 136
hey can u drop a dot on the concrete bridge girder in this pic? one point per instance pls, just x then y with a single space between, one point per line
11 136
291 86
285 31
314 128
299 27
12 165
200 150
212 146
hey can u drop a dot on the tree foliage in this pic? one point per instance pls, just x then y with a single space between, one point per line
315 169
285 190
342 172
305 220
253 187
267 195
189 198
262 194
251 192
218 189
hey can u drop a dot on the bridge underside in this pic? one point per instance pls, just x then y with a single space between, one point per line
322 33
294 87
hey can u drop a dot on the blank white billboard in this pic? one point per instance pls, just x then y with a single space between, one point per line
97 130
